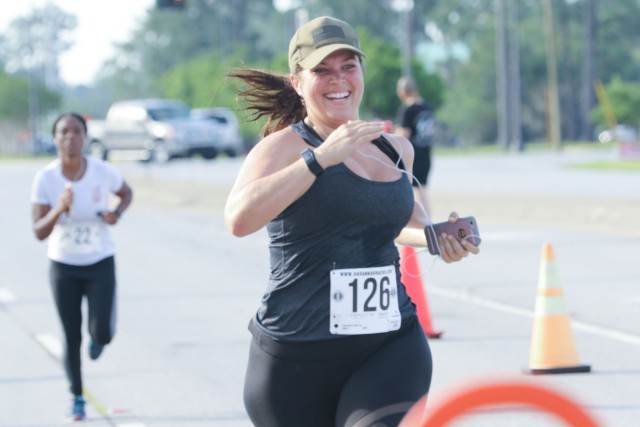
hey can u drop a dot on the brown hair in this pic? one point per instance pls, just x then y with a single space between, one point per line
270 95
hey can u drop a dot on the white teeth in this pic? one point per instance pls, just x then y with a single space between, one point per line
338 95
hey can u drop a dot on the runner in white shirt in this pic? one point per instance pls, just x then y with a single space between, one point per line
71 208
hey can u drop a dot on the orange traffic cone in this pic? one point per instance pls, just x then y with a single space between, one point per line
413 283
553 350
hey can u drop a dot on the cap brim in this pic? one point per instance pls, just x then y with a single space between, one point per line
319 54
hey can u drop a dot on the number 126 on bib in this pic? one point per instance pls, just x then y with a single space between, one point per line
364 301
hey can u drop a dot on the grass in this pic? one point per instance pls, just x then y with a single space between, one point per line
535 146
620 165
23 157
631 165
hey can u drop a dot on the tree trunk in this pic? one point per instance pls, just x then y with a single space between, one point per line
587 95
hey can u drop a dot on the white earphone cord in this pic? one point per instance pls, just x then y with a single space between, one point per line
413 177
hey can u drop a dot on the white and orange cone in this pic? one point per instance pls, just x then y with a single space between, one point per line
553 350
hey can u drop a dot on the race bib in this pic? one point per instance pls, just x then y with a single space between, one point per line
80 238
364 301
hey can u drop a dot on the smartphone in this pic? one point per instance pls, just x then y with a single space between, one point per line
463 228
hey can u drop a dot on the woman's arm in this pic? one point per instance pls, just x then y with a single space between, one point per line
413 233
272 177
125 194
451 249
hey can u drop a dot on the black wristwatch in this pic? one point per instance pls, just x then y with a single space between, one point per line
310 158
117 212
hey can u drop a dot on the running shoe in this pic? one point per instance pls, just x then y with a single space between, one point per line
95 350
77 409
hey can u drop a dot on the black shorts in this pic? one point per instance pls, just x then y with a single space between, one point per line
351 381
421 165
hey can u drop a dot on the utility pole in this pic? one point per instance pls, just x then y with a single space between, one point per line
508 86
501 76
408 54
588 98
553 102
404 8
515 90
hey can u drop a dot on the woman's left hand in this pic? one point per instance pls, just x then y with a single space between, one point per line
451 250
109 217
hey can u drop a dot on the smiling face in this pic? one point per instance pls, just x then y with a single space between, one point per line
333 90
69 133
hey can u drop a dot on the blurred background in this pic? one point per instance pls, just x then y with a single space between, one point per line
548 89
500 73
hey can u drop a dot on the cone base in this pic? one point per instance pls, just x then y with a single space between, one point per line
562 370
433 334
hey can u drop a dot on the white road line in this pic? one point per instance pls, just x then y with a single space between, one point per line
494 236
6 296
483 302
589 328
51 344
607 333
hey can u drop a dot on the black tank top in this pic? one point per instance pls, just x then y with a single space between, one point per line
342 221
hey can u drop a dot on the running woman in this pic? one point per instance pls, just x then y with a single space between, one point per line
71 208
336 340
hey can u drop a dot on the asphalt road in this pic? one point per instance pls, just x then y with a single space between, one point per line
187 290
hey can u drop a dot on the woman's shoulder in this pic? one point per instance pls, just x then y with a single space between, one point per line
51 167
284 139
102 167
98 163
277 150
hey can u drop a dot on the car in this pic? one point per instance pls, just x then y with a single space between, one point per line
152 130
618 133
43 146
229 137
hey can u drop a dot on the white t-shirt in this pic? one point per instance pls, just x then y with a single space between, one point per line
81 237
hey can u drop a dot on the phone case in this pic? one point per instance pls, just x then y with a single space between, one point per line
466 227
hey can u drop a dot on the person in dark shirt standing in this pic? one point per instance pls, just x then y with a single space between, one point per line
415 122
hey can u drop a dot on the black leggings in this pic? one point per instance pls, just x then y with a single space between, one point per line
69 284
358 381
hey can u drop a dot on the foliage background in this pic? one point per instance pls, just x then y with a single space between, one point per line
186 54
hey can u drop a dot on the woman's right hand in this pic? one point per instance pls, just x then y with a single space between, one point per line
65 200
346 139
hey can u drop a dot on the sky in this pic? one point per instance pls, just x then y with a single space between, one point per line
100 24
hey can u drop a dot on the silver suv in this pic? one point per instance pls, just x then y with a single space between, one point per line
151 129
229 139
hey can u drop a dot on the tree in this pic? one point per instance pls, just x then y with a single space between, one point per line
14 102
35 42
203 82
470 95
624 98
383 68
31 48
168 38
594 43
